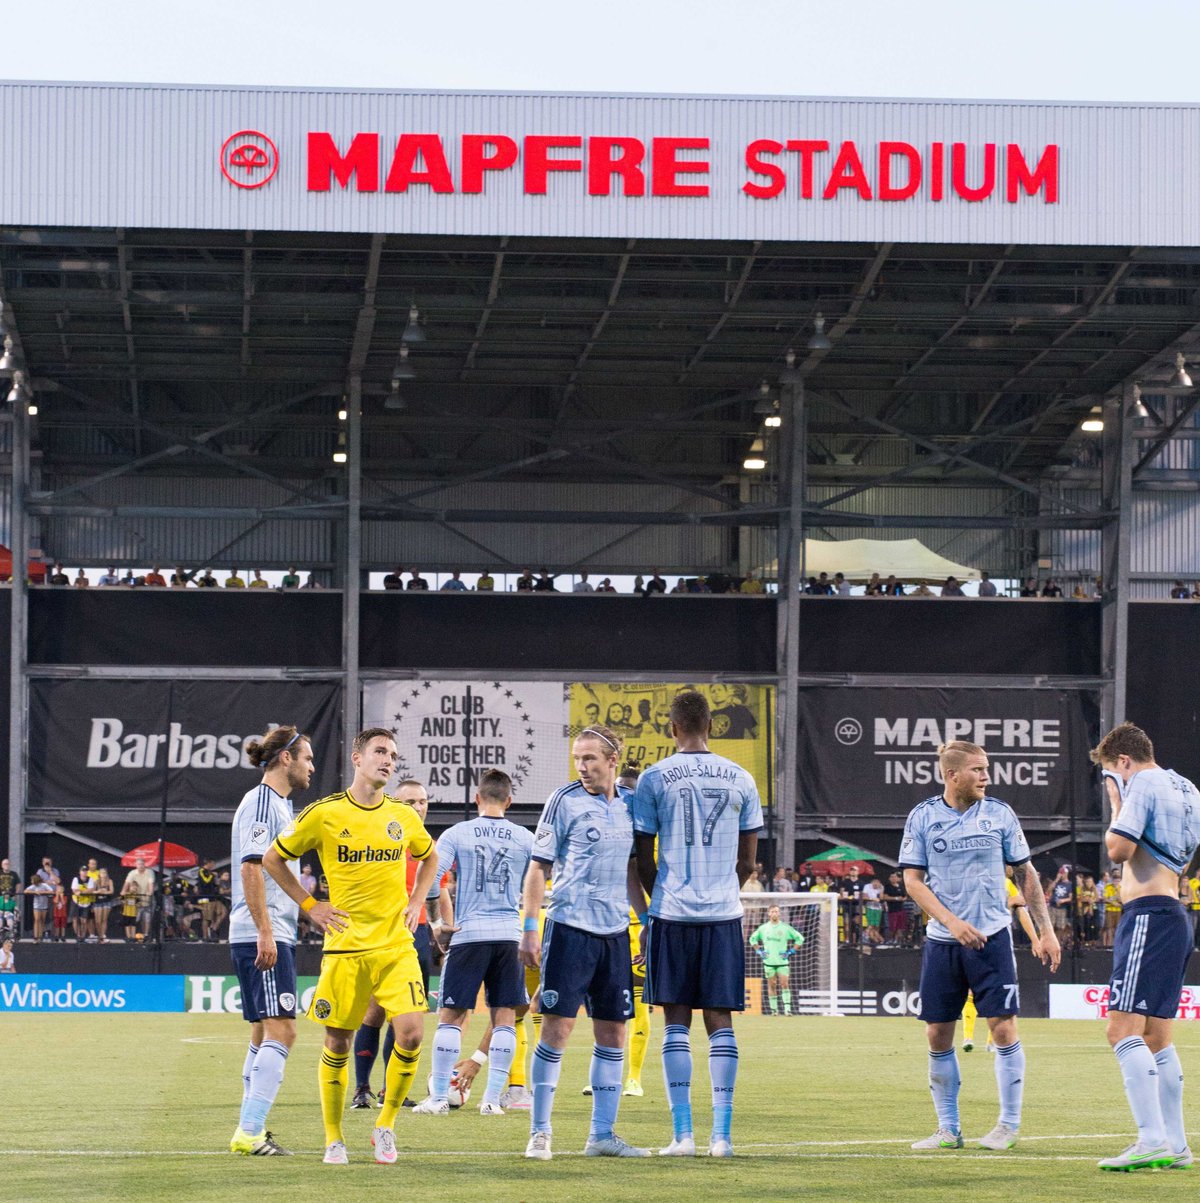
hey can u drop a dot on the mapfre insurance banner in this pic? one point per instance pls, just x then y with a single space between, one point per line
123 743
873 751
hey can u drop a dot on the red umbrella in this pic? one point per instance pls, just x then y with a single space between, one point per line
175 856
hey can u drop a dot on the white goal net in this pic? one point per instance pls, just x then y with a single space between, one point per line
791 961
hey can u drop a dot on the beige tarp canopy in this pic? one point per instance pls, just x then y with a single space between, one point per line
909 560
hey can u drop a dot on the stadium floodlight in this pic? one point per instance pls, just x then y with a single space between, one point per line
32 410
773 421
1094 422
339 453
403 369
791 374
413 331
343 414
1180 379
819 341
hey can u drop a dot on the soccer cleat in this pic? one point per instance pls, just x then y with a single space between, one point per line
611 1146
516 1098
538 1147
364 1099
1181 1161
486 1108
262 1145
633 1089
720 1148
1139 1157
681 1146
335 1154
384 1140
587 1091
1001 1137
432 1106
968 1045
943 1138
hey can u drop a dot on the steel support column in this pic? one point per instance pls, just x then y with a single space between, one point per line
351 571
1116 488
791 536
18 688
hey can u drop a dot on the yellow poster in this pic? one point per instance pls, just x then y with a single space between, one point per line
638 712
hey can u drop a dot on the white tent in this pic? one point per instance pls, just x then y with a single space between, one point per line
909 560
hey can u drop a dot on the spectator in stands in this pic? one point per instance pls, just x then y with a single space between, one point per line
1079 593
42 886
654 585
893 588
1195 590
872 913
922 590
60 909
874 586
824 584
545 583
812 589
207 580
312 582
780 883
139 885
952 588
1029 589
851 894
110 577
8 962
1061 905
57 576
154 579
606 586
583 585
10 889
1179 590
751 584
291 578
893 901
841 586
308 882
987 587
1085 909
394 579
257 583
1050 589
698 584
82 898
754 883
102 907
233 581
486 583
179 578
417 581
454 584
128 579
525 582
81 581
680 586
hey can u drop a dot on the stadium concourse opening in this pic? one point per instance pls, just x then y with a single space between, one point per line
300 332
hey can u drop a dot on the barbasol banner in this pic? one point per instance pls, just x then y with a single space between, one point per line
48 992
872 752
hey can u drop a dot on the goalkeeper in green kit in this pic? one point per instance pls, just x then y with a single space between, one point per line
775 942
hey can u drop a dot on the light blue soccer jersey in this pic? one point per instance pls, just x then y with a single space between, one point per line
489 858
963 856
1160 811
588 842
261 816
698 804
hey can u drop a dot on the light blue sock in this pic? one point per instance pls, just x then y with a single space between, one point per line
722 1069
265 1080
677 1073
543 1077
1170 1097
944 1082
607 1069
1141 1089
447 1044
247 1068
501 1051
1010 1078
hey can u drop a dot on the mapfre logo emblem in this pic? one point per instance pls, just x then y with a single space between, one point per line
249 159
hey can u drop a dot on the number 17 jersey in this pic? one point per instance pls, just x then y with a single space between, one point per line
698 804
489 857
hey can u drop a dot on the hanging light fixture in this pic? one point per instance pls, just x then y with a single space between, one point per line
755 460
413 331
403 369
10 361
791 374
1137 407
774 420
1180 379
1094 422
819 341
17 393
339 453
394 401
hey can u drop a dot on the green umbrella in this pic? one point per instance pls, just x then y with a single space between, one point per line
843 852
838 860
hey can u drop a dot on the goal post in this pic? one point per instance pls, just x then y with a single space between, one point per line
786 979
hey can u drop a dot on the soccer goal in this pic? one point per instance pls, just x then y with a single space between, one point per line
791 967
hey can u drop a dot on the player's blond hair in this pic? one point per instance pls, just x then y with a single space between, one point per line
953 756
606 737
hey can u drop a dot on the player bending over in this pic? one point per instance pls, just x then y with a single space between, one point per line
955 847
586 836
489 856
361 836
775 941
1153 835
704 811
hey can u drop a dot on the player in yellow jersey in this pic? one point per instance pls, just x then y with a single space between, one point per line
361 836
639 1028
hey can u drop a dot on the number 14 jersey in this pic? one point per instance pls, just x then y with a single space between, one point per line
698 804
489 858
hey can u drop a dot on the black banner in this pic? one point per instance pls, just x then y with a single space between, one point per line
121 743
873 751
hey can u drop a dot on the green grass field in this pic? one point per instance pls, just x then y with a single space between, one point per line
142 1106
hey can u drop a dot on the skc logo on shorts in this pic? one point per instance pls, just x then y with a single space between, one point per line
322 1008
287 1002
550 997
395 830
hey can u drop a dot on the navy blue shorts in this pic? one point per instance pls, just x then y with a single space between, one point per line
266 993
580 968
1150 956
697 965
493 964
948 971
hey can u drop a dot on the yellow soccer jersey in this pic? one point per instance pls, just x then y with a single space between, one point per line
362 852
1011 890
